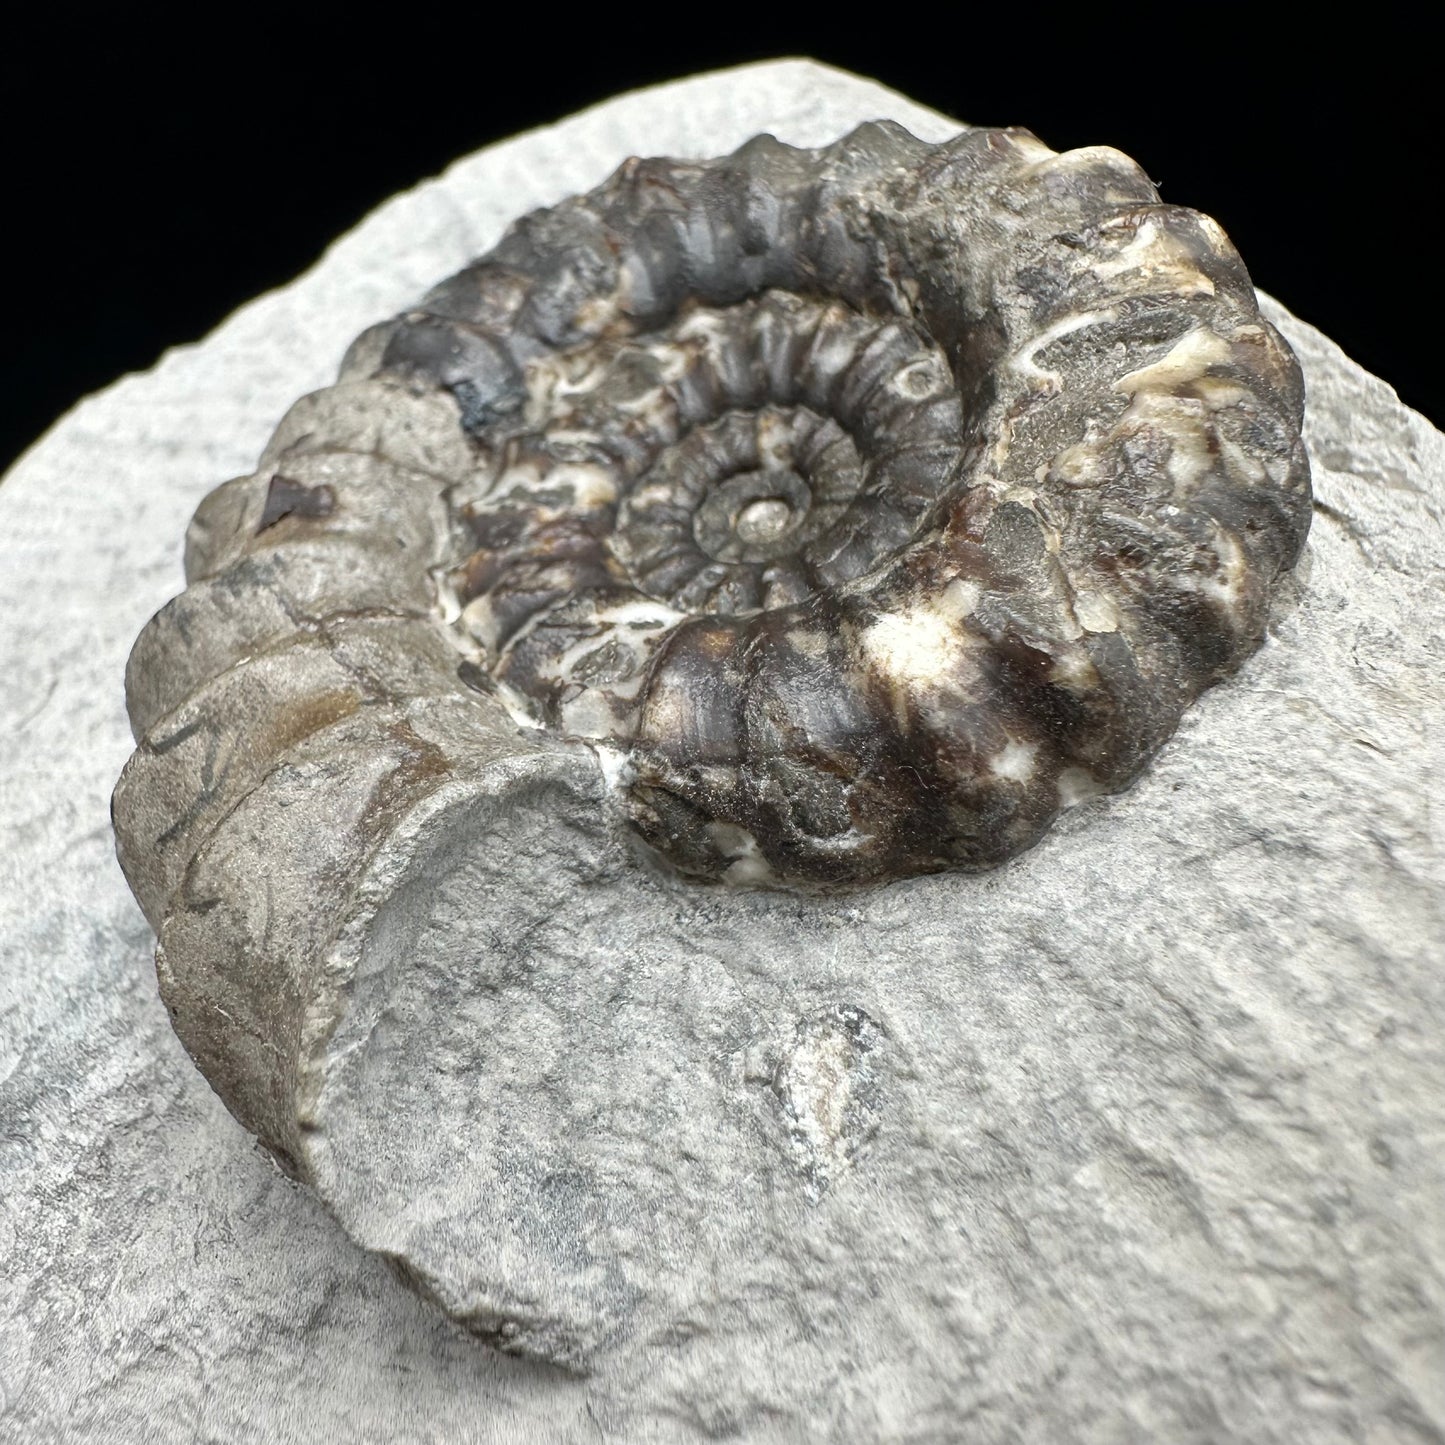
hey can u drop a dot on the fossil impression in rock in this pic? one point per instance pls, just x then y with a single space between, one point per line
831 516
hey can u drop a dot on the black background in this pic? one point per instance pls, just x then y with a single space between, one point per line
161 173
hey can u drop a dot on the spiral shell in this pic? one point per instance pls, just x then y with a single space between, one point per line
863 506
856 508
873 502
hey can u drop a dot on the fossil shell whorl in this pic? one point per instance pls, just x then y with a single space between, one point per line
878 501
872 502
866 505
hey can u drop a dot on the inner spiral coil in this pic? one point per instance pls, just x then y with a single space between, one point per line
643 462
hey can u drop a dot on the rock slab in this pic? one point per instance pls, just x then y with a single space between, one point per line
1136 1138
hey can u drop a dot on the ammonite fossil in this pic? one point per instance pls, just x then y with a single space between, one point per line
856 508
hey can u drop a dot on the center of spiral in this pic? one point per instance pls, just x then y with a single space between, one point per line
752 516
764 520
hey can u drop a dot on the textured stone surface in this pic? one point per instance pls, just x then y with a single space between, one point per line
1137 1138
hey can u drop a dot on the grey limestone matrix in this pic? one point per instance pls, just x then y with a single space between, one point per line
799 520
